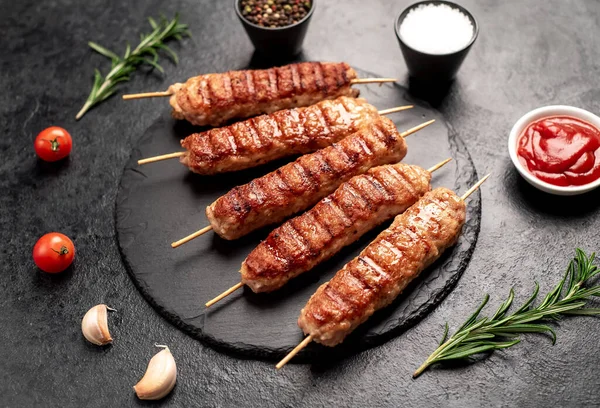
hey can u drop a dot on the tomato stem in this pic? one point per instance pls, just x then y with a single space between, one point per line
63 250
54 145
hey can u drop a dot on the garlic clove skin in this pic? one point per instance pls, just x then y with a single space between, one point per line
94 325
160 377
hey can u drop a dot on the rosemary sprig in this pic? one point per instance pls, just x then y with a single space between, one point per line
486 334
145 53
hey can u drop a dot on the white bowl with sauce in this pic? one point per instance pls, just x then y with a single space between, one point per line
540 113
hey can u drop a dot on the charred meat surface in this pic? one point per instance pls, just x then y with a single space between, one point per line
284 133
214 99
272 198
384 268
357 206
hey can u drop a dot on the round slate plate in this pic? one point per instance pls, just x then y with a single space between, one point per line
162 202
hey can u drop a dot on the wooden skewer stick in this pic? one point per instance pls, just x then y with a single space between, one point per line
396 109
179 154
372 80
295 351
147 95
240 285
191 236
169 93
224 294
161 157
208 228
475 187
440 164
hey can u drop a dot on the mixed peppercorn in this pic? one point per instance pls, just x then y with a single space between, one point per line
274 13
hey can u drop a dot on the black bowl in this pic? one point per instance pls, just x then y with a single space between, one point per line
434 67
279 42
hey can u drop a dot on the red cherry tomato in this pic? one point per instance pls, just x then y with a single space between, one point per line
53 143
53 252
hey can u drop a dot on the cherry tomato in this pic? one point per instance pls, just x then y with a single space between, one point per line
53 143
53 252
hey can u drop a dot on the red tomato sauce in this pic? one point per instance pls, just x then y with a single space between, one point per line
561 150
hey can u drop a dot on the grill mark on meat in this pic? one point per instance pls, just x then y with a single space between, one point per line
378 185
308 181
325 165
404 180
322 118
237 202
205 92
392 247
256 134
319 78
250 85
256 192
336 297
341 214
273 83
296 79
345 78
317 217
380 271
231 139
358 196
300 238
229 100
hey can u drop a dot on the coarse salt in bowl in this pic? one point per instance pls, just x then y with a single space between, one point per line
435 37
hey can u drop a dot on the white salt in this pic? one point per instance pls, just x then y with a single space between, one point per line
436 29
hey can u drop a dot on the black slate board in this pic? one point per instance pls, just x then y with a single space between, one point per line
162 202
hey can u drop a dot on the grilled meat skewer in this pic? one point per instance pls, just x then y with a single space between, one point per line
214 99
384 268
284 133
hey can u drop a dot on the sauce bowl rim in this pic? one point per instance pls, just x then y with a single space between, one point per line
539 113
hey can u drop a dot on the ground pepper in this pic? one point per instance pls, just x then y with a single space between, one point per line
274 13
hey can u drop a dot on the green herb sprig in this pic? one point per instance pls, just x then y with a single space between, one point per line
486 334
145 53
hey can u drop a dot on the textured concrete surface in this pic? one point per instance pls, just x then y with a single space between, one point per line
529 53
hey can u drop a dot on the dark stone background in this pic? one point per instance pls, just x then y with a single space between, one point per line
529 53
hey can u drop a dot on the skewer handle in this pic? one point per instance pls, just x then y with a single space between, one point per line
372 80
396 109
295 351
416 128
437 166
224 294
191 236
475 187
161 157
147 95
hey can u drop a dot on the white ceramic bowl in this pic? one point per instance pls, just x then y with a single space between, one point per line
539 113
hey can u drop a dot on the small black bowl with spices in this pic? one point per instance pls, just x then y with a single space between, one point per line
276 27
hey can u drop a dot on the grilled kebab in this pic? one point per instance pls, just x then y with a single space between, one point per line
384 268
214 99
284 133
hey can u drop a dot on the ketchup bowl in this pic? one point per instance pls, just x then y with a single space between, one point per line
560 112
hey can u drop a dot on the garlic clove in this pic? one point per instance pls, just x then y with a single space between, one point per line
95 325
159 378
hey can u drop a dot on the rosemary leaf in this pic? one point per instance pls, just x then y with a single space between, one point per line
146 53
481 334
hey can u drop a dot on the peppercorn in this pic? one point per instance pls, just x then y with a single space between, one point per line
274 13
